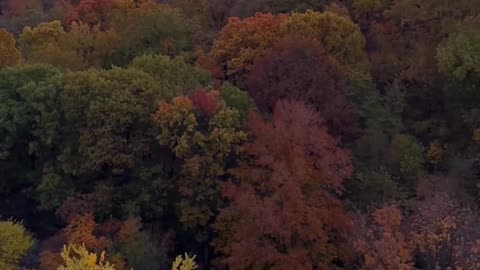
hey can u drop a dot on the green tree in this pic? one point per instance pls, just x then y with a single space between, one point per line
160 29
203 134
407 155
140 247
108 120
15 241
30 122
175 75
237 99
372 188
459 59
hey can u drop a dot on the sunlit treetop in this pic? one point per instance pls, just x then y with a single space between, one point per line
241 40
9 54
340 37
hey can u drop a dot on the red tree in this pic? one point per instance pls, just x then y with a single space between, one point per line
284 208
383 242
91 12
206 101
300 69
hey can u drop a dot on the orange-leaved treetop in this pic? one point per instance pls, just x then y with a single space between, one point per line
241 40
284 209
9 54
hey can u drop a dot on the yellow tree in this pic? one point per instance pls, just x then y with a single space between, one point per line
41 44
15 241
82 47
78 258
184 263
241 40
9 54
340 37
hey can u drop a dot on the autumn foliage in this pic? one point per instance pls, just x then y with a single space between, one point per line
240 41
383 242
9 54
301 70
203 133
241 134
91 12
284 206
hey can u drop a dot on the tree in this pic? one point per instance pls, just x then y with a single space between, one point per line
82 47
184 263
443 226
43 44
340 37
90 43
366 7
384 243
29 134
91 12
79 258
80 231
108 124
237 99
283 206
372 187
406 155
386 48
204 135
175 75
20 13
241 40
17 8
141 248
424 24
214 14
430 20
459 59
15 241
9 54
159 29
300 69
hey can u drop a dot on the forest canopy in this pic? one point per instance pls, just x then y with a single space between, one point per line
239 134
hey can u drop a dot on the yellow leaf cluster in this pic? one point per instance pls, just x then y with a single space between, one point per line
14 244
476 136
9 54
78 258
184 263
434 153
